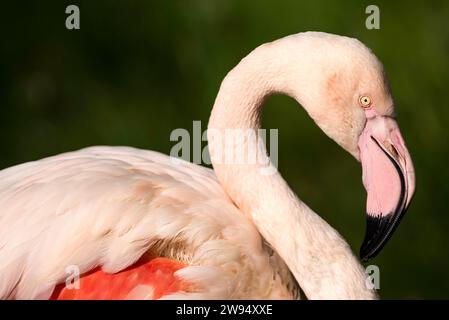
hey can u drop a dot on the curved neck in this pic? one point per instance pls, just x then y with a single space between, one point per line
316 254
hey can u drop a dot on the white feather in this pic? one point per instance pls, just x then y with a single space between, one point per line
106 206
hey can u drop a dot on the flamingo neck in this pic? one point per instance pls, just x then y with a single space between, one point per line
318 257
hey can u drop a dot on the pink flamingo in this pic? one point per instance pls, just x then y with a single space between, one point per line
140 226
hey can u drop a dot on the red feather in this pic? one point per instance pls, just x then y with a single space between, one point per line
156 277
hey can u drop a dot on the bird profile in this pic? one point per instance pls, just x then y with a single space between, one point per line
136 224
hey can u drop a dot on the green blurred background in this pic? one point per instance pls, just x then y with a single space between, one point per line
136 70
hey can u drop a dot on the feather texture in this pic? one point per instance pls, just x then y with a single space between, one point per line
107 206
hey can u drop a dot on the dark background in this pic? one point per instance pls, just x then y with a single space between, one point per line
136 70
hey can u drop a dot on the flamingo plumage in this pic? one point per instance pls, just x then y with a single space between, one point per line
140 225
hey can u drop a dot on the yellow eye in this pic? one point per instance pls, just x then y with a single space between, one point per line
365 101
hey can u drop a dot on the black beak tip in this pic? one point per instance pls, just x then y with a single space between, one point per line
365 251
378 230
364 254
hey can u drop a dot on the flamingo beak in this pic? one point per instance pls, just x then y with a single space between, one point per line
389 179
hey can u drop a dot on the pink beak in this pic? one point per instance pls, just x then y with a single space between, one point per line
389 179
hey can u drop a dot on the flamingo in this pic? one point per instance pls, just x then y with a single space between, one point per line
139 225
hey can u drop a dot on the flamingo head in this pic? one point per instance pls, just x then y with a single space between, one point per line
349 99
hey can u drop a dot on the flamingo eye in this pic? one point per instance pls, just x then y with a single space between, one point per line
365 101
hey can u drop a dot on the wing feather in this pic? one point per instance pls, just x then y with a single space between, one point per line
100 206
108 206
